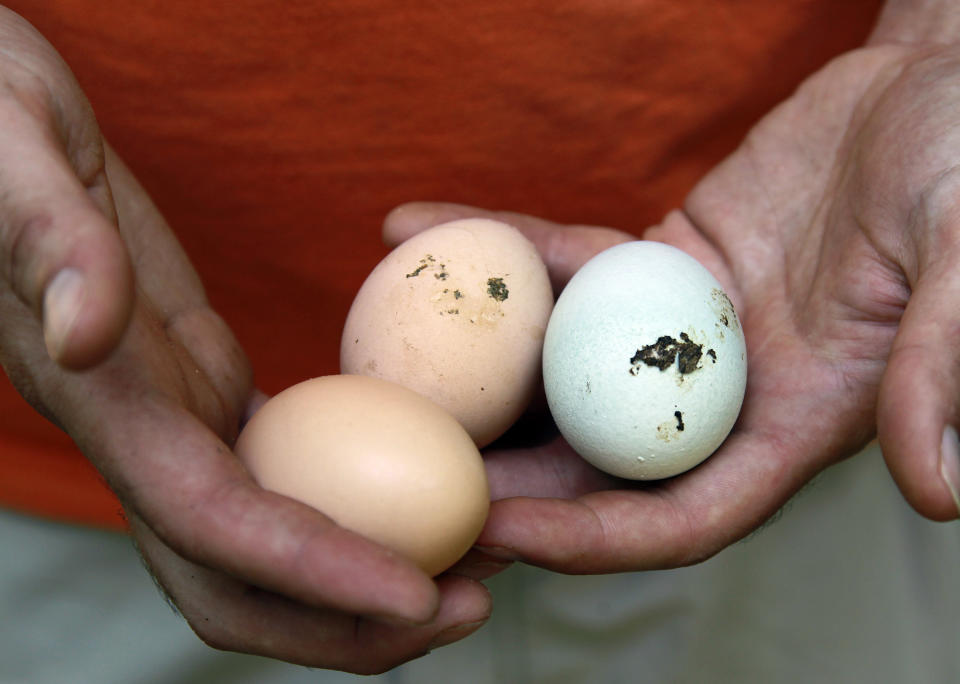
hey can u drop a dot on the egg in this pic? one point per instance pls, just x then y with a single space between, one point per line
644 361
457 313
377 458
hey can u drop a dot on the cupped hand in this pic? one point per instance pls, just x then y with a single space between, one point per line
835 228
106 331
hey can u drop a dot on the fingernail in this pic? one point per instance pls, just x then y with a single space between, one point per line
950 463
456 633
61 306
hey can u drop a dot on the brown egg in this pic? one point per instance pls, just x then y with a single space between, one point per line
378 459
457 313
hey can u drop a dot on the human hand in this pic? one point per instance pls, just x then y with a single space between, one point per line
835 230
163 390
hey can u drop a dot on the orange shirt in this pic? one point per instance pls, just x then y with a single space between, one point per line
275 136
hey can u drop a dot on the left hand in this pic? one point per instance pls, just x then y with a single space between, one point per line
835 229
106 330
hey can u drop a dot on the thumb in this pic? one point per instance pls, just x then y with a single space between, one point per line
563 248
918 410
60 254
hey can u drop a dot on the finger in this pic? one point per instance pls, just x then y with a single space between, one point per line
652 525
61 254
563 248
230 615
918 411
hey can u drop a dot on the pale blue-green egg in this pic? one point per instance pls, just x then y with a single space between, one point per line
644 361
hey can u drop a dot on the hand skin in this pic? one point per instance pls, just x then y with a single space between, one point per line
835 228
163 390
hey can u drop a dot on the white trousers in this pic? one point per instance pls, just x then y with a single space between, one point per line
849 585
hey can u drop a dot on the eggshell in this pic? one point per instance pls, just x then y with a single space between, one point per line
644 361
458 314
377 458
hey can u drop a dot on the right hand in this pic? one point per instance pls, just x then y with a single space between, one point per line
93 280
835 230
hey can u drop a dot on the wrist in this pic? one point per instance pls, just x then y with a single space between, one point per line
917 21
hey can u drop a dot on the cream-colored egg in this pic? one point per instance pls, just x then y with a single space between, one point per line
457 313
378 459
